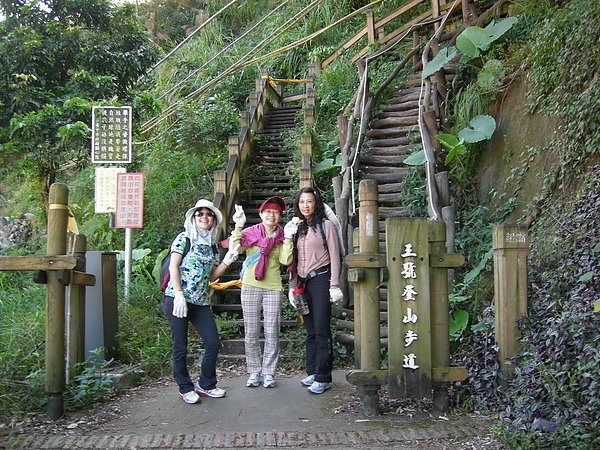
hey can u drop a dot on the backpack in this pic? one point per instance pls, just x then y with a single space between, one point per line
338 229
163 274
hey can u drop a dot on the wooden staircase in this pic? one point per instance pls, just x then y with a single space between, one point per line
391 138
269 175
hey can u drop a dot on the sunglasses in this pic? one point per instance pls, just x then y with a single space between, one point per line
204 214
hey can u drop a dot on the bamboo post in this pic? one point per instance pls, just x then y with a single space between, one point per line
510 243
55 301
76 312
438 288
369 291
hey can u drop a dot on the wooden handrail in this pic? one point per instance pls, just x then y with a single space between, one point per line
437 8
227 182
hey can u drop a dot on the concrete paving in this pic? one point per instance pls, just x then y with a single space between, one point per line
287 416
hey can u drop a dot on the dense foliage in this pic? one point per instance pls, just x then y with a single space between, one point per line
59 59
552 401
557 381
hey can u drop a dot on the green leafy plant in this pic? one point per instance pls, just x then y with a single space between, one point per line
471 43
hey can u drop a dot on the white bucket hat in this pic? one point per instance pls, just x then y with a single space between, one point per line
202 203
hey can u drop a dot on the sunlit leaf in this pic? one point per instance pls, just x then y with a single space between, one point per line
416 158
586 277
480 128
459 319
444 56
471 41
497 29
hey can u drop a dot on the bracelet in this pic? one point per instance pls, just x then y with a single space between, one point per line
223 262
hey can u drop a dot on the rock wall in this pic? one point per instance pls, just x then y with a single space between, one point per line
16 231
511 165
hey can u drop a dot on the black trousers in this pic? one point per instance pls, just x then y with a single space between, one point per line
201 317
319 347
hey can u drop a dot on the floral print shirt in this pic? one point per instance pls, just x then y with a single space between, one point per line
195 271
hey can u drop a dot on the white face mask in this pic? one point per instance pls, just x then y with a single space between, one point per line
197 235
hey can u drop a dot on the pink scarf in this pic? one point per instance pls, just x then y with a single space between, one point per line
255 236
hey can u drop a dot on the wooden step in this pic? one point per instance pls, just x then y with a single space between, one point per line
396 150
394 132
385 212
405 113
407 96
395 122
390 142
401 106
383 160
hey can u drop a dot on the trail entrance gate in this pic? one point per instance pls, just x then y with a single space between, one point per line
417 265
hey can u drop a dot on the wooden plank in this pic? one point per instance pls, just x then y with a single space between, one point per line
26 263
439 374
293 98
365 260
84 279
446 260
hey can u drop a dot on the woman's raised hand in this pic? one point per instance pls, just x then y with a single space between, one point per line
239 217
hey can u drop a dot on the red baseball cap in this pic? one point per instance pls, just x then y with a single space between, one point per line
277 203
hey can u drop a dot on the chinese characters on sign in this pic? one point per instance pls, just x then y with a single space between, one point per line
409 295
130 200
111 134
105 189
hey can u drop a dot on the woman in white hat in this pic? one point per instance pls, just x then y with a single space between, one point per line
195 262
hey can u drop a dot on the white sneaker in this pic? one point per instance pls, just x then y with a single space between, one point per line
308 380
269 381
318 387
253 380
214 393
190 397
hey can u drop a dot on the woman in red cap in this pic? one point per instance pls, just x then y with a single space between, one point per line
267 247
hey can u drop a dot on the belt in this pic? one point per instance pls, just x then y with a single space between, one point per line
313 273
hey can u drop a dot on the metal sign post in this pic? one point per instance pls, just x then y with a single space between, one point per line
129 213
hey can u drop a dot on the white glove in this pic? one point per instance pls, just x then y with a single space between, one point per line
291 228
336 295
231 256
179 305
239 217
292 298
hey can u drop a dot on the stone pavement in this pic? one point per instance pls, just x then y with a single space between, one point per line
153 417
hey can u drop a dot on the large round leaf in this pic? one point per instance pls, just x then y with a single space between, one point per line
471 41
480 128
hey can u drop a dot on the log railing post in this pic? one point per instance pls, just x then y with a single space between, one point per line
510 243
357 303
370 335
55 301
370 26
438 289
305 169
